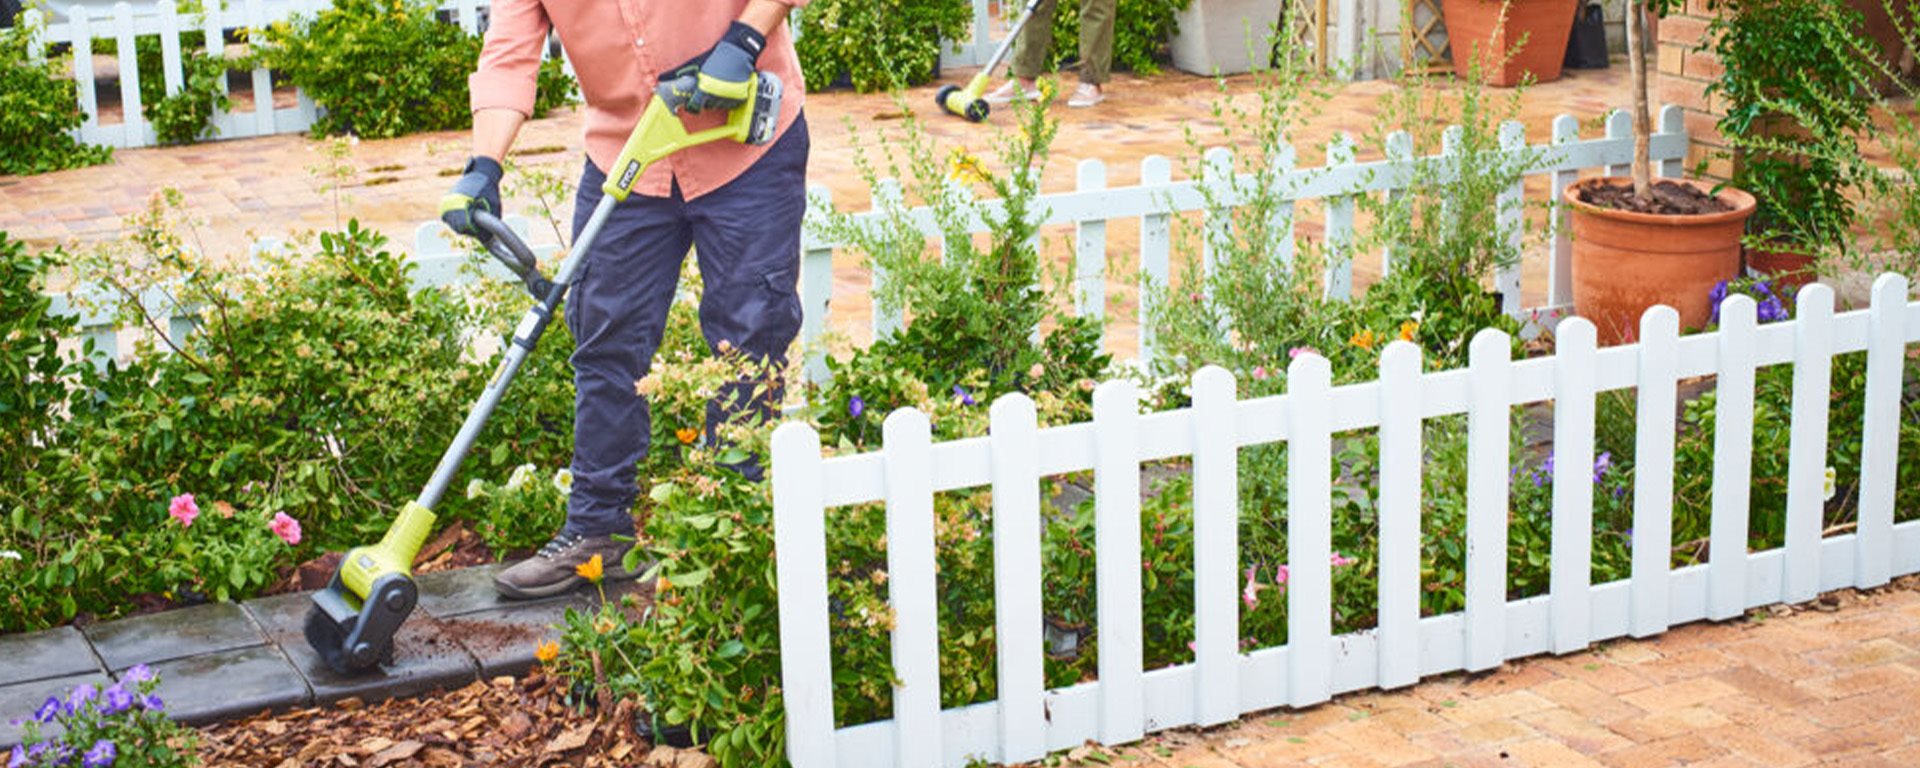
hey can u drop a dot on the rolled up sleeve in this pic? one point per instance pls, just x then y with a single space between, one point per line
509 65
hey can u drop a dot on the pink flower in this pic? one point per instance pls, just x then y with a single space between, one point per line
1259 373
184 509
1280 575
1340 560
1251 596
1296 352
287 528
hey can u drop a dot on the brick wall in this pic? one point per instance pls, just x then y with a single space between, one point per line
1681 78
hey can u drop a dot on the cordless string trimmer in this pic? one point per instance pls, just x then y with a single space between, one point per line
354 619
968 102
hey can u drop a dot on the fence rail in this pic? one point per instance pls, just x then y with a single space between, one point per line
1222 683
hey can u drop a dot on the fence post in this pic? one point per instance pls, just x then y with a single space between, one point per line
1216 548
1732 461
1401 465
800 538
1653 469
1490 387
1512 208
1399 152
1014 448
171 67
1672 121
1620 126
262 80
79 22
886 197
911 588
1807 451
816 293
1116 533
1090 248
1309 531
215 40
35 23
1156 244
132 122
1217 174
1280 226
1566 130
1339 236
1573 428
1886 353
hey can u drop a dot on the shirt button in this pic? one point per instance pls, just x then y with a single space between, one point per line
639 41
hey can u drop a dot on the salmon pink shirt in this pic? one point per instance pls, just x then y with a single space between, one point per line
618 49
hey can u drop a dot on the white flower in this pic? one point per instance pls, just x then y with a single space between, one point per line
522 475
8 554
563 481
476 488
1832 483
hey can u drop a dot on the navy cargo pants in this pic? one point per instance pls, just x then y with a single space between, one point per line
747 237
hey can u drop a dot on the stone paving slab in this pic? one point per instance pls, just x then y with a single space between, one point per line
57 652
227 684
425 657
170 635
19 700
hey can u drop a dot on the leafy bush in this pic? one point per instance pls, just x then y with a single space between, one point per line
1141 30
186 117
121 725
522 512
38 109
343 58
876 45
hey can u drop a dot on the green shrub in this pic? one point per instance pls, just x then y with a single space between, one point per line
187 116
38 111
876 45
1141 30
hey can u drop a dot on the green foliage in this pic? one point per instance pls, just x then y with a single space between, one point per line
521 513
31 366
186 117
123 725
554 88
877 46
1141 29
38 109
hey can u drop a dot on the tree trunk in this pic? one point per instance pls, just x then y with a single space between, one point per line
1642 121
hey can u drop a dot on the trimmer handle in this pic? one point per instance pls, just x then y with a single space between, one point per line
509 249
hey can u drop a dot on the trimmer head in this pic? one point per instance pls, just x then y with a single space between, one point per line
963 102
353 621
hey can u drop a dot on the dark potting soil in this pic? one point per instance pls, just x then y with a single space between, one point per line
1666 199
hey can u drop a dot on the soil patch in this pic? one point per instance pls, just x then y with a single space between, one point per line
1667 199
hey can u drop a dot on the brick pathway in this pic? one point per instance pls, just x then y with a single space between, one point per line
1834 686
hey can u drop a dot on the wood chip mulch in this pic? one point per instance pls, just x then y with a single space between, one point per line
505 721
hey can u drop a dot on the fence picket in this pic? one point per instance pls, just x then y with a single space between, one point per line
262 80
911 588
1573 429
1886 356
1400 470
1217 174
1490 366
1090 247
1280 223
79 21
1399 150
35 23
467 12
1015 453
170 65
816 293
1116 533
1620 126
1156 246
800 536
215 41
1339 234
1653 470
887 196
1732 460
1807 451
1309 583
132 122
1512 207
1566 131
1216 532
1671 120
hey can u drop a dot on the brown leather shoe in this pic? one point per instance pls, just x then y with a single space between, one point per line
551 571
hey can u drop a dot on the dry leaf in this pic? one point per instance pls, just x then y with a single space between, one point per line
372 745
395 753
574 738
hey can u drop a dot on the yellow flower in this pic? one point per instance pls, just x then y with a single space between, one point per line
546 652
1364 339
687 435
965 167
603 625
1407 329
591 570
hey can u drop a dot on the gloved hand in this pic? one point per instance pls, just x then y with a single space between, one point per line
721 78
477 190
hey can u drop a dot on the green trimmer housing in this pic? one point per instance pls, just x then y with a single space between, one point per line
968 102
354 619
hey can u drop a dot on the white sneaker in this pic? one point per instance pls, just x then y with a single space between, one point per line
1007 93
1086 95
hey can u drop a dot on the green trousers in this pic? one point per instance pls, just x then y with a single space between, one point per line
1096 41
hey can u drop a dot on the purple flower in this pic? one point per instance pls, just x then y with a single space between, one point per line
1717 295
53 707
1620 492
152 702
18 758
116 699
966 398
1772 310
1601 465
139 673
101 755
82 694
1763 288
856 406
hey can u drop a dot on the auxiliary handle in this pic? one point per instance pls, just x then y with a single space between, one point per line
507 247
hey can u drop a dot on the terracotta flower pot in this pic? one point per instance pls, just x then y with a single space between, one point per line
1545 25
1788 269
1625 262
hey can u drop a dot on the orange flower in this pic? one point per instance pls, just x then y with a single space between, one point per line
591 570
1364 339
546 652
1407 329
687 435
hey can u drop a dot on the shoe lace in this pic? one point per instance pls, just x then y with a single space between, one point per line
559 545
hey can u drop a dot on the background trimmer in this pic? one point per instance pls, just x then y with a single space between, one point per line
968 102
354 619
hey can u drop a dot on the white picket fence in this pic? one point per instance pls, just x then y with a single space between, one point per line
1223 683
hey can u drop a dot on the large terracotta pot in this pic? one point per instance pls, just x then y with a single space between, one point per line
1544 23
1787 268
1625 262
